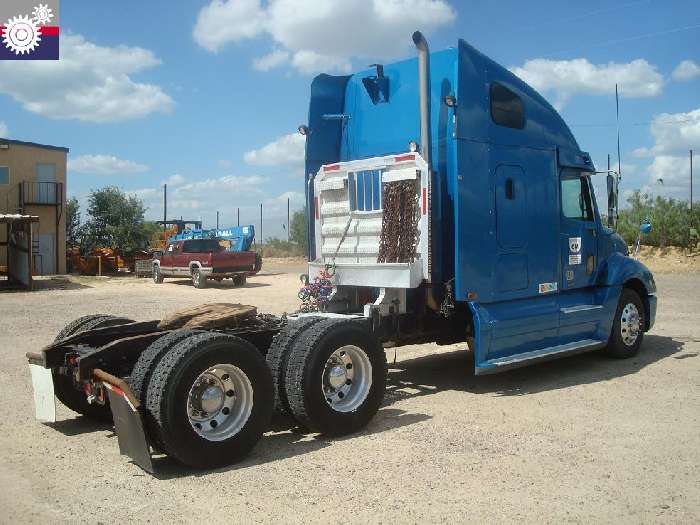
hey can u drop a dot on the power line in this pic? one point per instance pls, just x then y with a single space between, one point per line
632 38
587 14
647 123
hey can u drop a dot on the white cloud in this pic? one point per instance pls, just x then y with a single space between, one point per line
224 21
287 150
321 34
104 165
566 78
175 180
686 70
674 134
673 171
276 58
4 130
90 83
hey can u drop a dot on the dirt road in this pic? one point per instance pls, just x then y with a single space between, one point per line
583 439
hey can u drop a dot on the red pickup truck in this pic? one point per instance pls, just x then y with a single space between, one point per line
202 259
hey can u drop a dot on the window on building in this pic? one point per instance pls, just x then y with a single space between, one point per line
365 190
576 199
4 175
506 107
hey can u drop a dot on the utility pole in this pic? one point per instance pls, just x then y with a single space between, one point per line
261 224
165 205
691 192
217 220
691 184
239 216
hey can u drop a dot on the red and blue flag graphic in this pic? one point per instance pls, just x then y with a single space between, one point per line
29 33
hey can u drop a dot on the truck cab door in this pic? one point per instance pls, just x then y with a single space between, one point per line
579 231
166 260
581 311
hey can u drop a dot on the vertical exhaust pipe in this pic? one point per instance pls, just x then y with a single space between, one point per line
424 89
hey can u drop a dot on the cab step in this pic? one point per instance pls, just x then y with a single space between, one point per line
500 364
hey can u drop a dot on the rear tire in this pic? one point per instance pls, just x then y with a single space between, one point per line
278 356
64 387
143 370
194 384
239 280
198 278
336 376
628 326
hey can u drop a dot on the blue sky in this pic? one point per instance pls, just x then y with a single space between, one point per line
207 95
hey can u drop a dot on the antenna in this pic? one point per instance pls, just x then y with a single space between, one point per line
619 160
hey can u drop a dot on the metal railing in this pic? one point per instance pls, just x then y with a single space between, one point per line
46 193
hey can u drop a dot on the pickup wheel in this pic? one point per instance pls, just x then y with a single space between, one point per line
198 278
211 399
64 387
239 280
628 326
336 376
278 356
157 275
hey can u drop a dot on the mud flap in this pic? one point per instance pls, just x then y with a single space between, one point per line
129 427
44 401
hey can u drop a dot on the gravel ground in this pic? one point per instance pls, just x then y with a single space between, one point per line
583 439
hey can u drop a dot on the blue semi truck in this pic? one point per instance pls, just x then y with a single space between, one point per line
448 202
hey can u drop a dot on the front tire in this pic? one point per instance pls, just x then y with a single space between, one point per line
239 280
198 278
336 376
628 326
211 399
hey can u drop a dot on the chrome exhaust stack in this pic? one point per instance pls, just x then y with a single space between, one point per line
424 90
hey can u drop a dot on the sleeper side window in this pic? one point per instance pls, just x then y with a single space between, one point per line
506 107
365 190
576 198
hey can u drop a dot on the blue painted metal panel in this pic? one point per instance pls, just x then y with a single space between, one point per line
500 253
240 237
323 141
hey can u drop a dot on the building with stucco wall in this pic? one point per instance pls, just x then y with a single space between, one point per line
33 182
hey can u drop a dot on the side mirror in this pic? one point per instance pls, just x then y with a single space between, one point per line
612 200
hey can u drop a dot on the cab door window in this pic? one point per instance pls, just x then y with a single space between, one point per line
576 198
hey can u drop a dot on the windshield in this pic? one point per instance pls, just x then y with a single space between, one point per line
201 245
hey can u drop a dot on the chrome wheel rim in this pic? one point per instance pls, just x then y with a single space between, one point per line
630 324
220 402
346 378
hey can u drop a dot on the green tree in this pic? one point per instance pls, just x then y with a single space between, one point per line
114 220
670 219
298 230
72 223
